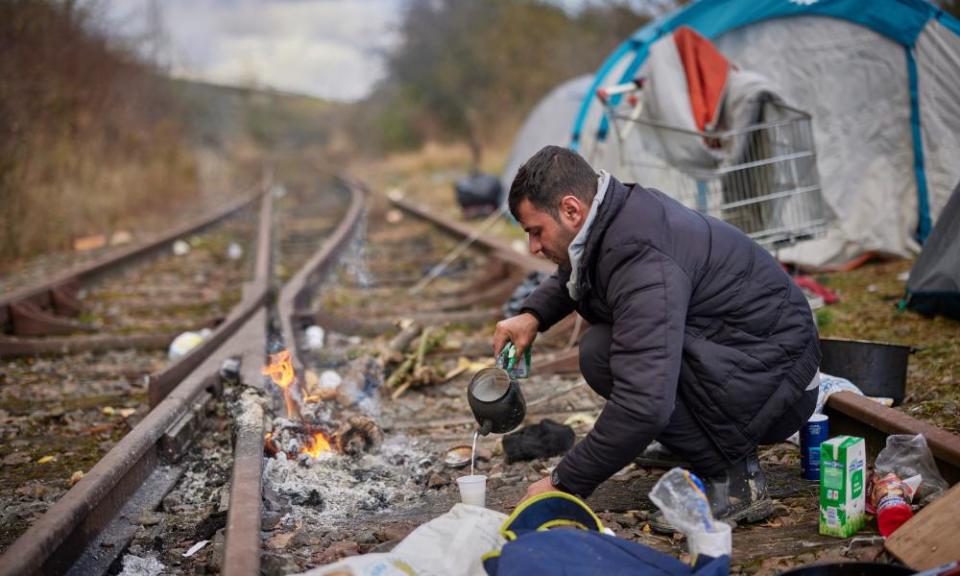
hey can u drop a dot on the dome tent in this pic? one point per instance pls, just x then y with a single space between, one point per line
548 123
878 77
934 283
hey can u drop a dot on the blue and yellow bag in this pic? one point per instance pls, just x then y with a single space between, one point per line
535 545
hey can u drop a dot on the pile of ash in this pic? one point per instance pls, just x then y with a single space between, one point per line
332 487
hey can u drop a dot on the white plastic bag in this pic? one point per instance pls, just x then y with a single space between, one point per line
907 455
185 342
828 385
448 545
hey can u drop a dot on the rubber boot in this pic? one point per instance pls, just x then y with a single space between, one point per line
737 496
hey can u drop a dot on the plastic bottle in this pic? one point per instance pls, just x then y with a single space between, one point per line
892 497
681 497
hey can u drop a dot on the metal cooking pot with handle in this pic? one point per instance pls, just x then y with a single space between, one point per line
877 368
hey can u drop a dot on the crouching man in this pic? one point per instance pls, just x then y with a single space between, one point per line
697 337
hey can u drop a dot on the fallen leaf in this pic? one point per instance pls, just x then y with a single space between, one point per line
107 410
466 365
776 523
280 541
581 419
33 490
127 412
99 428
46 459
76 477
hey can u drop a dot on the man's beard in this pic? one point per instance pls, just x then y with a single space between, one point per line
561 257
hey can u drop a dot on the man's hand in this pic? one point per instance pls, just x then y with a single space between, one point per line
521 330
538 487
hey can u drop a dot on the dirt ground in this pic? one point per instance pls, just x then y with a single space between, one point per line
867 310
322 509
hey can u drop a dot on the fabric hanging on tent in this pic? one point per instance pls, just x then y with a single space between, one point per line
685 87
706 71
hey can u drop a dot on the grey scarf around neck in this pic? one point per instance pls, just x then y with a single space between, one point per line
580 240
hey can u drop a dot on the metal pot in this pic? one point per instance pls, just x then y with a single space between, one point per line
877 368
496 401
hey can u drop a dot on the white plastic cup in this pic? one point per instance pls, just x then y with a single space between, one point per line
715 544
473 490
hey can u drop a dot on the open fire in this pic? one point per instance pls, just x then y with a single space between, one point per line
305 436
280 370
316 446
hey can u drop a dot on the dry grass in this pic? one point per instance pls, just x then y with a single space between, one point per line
868 311
428 176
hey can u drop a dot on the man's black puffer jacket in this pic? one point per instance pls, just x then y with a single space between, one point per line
696 309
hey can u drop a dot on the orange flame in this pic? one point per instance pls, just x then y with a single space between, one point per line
280 370
318 445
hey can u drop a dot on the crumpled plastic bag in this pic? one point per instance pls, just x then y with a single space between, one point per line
829 385
907 455
185 342
449 545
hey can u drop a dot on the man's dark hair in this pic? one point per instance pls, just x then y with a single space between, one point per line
548 176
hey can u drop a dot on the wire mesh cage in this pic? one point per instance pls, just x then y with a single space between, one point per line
761 178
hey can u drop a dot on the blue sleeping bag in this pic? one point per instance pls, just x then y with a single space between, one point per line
557 533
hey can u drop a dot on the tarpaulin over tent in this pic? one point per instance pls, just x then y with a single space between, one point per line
879 78
934 284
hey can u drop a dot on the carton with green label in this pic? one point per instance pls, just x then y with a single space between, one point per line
842 486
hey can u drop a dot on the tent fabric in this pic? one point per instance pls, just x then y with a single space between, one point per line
934 283
854 83
548 123
878 77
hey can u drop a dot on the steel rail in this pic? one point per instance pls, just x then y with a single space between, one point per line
859 416
849 413
131 474
242 547
497 247
32 310
295 295
255 295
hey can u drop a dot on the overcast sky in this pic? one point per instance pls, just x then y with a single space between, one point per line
326 48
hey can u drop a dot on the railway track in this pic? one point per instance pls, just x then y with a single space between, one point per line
79 531
75 379
220 463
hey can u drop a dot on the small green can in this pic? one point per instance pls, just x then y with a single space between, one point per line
515 366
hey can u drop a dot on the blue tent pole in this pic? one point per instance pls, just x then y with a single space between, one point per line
600 76
924 224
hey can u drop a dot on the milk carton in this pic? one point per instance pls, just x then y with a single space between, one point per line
842 489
